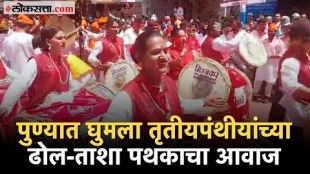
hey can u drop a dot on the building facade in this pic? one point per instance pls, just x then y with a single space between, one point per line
203 9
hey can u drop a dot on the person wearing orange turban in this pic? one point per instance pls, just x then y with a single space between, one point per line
275 48
272 27
25 19
22 40
102 20
96 29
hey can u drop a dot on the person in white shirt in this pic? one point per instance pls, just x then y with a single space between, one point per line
178 11
3 34
275 49
17 47
92 36
261 32
11 27
130 36
8 73
202 33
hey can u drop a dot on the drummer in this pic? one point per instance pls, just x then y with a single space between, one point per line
152 96
294 79
55 98
261 32
216 47
180 52
108 51
275 48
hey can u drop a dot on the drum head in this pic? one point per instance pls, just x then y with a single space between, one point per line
253 51
119 74
204 77
101 90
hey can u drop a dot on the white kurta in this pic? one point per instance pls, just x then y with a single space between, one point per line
2 37
201 38
17 49
129 38
179 12
289 80
10 74
260 37
269 71
90 35
223 45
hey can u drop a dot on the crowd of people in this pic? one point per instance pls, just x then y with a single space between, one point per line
39 80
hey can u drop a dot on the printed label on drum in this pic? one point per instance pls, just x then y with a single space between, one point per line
205 73
240 96
119 72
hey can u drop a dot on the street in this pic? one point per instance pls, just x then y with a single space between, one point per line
260 109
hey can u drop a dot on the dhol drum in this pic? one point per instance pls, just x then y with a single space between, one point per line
119 74
101 90
251 54
204 77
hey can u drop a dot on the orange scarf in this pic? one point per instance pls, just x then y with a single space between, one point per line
91 43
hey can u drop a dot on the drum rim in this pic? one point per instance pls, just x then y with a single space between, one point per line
199 58
95 84
242 51
108 72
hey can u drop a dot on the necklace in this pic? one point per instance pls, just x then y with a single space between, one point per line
168 114
67 78
119 48
181 53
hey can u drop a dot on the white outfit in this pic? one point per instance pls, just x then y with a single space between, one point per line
10 31
17 49
289 81
121 108
129 38
223 45
10 74
269 71
90 35
2 37
262 37
201 38
95 52
179 12
92 58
